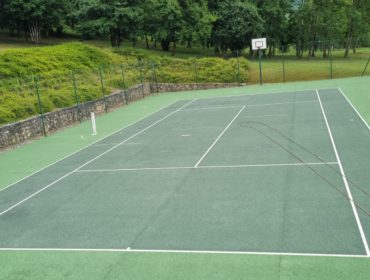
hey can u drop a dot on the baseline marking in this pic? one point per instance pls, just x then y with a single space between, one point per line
218 138
93 143
130 250
354 209
206 167
353 107
95 158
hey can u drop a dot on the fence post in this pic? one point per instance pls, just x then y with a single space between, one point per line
40 105
196 73
284 80
237 57
141 78
367 64
103 89
155 77
76 96
124 82
331 61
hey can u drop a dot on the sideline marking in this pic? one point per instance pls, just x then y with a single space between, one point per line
131 250
206 167
95 158
354 209
91 144
354 108
218 138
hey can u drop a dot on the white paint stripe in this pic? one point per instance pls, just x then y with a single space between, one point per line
354 209
206 167
269 165
49 165
218 138
266 116
254 105
210 108
353 107
281 103
130 250
95 158
297 92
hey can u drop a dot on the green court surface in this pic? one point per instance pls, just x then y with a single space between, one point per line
237 185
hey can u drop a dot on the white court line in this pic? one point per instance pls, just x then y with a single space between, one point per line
208 252
353 107
281 103
297 92
206 167
55 162
95 158
218 138
354 209
210 108
253 105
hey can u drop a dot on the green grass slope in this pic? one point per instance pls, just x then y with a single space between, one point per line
52 68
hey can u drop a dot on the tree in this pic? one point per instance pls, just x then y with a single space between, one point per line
110 18
237 23
358 16
197 21
34 16
275 14
163 21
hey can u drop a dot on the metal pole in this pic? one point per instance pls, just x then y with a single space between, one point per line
283 65
124 83
367 64
141 79
237 57
40 105
196 73
103 89
260 63
155 77
331 62
76 96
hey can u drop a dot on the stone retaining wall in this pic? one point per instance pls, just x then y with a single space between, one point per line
20 132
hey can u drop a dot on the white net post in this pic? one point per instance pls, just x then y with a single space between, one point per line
93 123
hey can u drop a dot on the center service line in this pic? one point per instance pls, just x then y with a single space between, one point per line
218 138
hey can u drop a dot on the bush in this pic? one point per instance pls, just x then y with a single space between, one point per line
52 69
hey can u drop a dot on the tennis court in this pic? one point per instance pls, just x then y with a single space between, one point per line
283 173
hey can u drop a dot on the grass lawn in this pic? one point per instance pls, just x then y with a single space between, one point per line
310 69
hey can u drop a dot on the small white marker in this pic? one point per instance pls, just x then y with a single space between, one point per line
128 248
186 135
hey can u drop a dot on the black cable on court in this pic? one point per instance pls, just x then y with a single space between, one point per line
245 124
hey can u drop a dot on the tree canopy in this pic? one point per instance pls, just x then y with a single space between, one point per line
225 25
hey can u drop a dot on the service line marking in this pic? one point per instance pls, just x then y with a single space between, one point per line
206 167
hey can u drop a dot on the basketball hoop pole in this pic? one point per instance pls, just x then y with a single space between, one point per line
260 63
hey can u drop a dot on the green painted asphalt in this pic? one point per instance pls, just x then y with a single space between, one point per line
73 265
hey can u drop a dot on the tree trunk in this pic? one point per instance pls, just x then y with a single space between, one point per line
147 42
115 37
35 31
165 45
174 49
349 37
